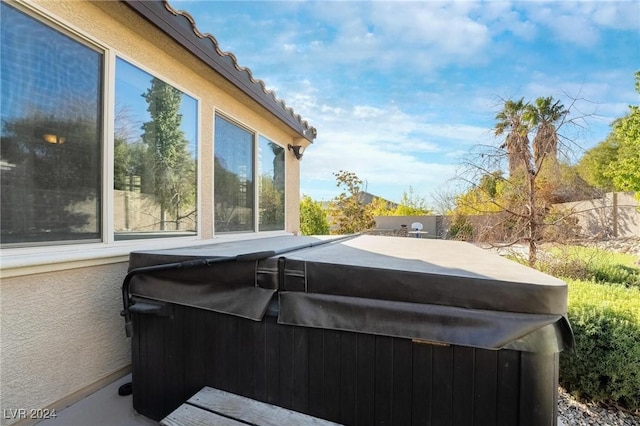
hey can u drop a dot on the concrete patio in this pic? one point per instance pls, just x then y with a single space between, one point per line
102 408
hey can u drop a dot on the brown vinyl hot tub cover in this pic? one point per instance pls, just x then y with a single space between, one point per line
438 291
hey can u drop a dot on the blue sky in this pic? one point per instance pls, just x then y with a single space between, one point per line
400 91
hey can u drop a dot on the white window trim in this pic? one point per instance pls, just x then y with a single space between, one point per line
60 258
110 221
256 190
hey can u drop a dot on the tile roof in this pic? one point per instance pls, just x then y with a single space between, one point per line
181 26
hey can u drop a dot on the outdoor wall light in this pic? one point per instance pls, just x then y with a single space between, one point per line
297 150
54 139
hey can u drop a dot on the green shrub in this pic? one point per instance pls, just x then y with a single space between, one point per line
604 312
605 366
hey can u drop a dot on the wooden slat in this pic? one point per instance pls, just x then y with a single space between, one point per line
366 380
300 399
260 360
251 411
231 351
485 378
286 366
383 373
442 385
349 379
508 388
422 380
316 372
188 415
174 344
402 381
332 379
246 358
272 361
463 390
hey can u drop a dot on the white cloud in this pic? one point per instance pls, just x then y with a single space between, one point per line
580 22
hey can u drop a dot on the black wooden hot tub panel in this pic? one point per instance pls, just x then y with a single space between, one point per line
349 378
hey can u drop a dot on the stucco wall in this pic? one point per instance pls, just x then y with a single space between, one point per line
613 215
61 331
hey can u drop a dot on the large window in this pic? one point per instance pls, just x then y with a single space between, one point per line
155 157
235 193
50 156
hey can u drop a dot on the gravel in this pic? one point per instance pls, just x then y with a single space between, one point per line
575 413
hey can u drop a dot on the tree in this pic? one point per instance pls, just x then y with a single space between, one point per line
519 202
313 218
614 164
625 171
380 207
594 165
172 169
510 120
544 115
348 211
412 204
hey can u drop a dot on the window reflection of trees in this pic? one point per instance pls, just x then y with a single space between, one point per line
50 188
233 178
155 165
271 186
50 149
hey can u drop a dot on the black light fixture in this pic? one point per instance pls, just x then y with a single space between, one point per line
297 150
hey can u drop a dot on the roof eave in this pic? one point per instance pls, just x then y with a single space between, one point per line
181 27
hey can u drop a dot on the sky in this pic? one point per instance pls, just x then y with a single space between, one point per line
400 92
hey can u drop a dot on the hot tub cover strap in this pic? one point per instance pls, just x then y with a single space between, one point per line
427 322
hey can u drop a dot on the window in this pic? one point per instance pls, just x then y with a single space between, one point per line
233 177
271 184
234 190
155 157
50 156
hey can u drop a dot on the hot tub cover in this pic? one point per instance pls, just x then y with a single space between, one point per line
438 291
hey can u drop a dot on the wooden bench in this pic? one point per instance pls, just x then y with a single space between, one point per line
215 407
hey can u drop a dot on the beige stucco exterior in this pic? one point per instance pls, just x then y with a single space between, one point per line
61 333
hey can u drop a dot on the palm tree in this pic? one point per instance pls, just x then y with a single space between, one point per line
544 115
511 121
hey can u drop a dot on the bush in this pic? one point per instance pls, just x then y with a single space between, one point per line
313 219
604 312
461 228
605 365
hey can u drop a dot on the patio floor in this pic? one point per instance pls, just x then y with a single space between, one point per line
106 408
102 408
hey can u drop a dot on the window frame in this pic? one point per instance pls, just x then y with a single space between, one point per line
114 55
55 23
256 187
